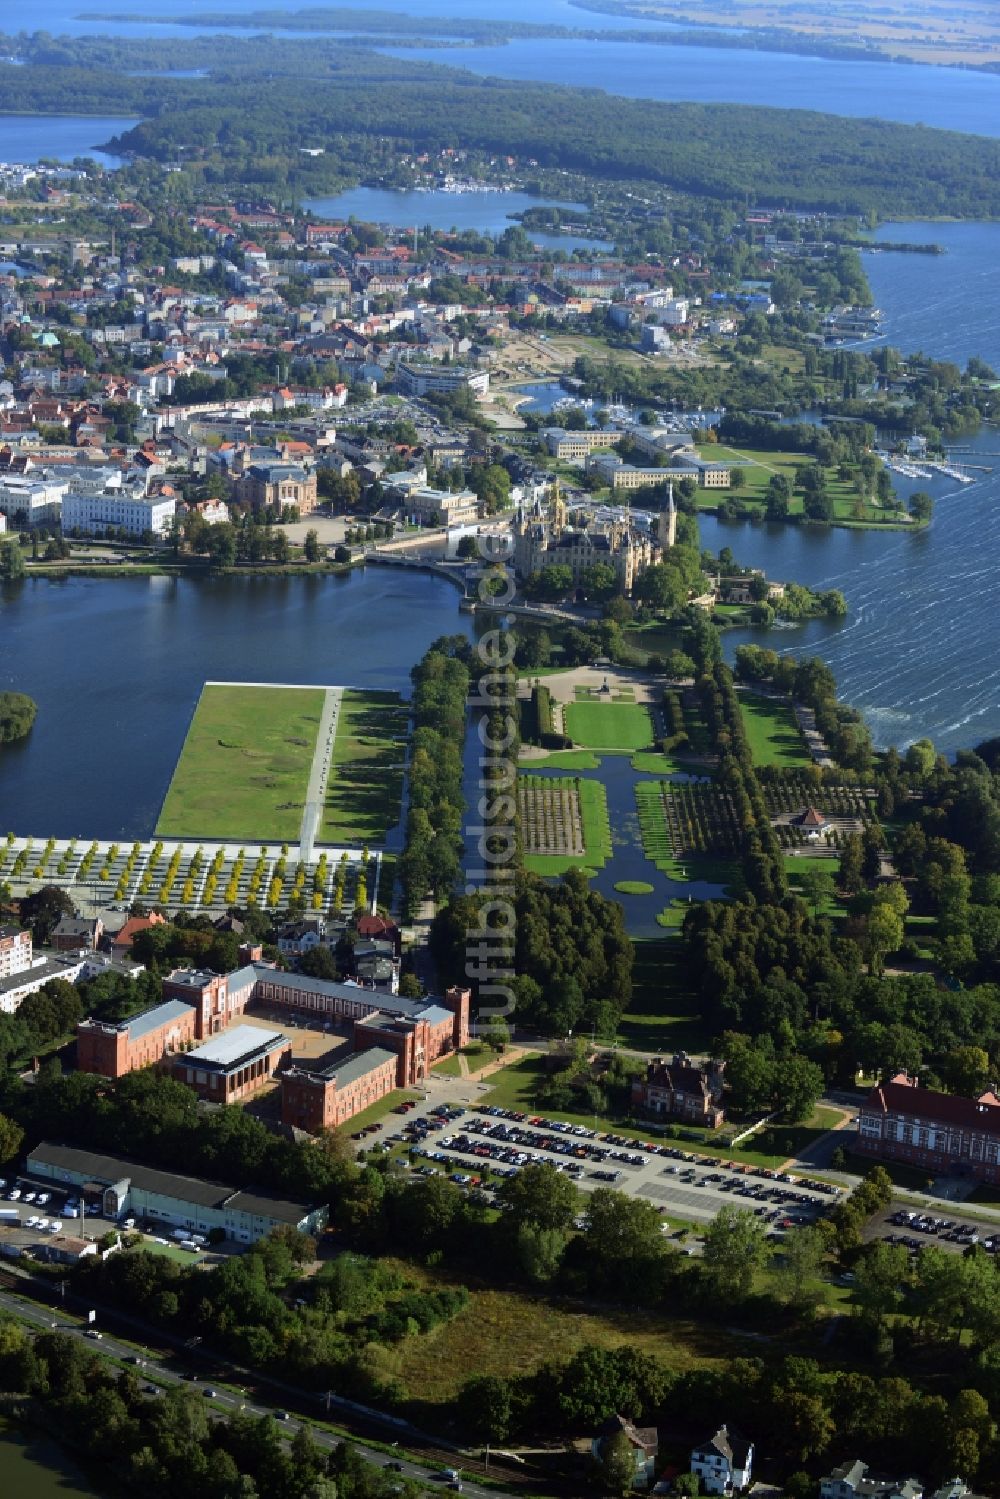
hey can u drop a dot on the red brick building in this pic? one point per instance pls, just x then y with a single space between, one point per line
679 1090
401 1038
941 1133
209 994
113 1049
121 942
325 1099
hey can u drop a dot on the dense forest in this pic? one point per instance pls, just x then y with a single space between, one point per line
362 103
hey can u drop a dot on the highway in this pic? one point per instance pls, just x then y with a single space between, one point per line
154 1369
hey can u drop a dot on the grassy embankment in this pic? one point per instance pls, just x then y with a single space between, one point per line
244 769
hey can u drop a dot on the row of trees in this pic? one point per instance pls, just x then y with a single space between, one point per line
431 858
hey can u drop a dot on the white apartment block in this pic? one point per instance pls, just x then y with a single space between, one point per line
95 514
15 951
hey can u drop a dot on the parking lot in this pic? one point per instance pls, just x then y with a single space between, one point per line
946 1230
33 1214
478 1145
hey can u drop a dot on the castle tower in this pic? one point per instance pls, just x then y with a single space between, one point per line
666 524
558 509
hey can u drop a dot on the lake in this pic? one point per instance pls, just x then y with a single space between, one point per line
919 653
37 1467
487 212
947 98
29 138
947 305
116 667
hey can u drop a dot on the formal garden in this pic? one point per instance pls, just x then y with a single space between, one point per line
564 823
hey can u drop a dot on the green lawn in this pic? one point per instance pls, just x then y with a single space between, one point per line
758 466
653 763
563 760
986 1193
609 726
377 1111
779 1142
244 768
797 865
663 1015
772 732
596 836
365 787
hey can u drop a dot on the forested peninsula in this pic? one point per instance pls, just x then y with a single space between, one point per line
250 118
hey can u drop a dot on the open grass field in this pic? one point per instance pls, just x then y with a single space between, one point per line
377 1111
759 465
772 732
244 768
508 1333
796 865
781 1142
593 807
609 726
364 792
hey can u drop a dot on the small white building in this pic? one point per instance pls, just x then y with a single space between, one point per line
723 1463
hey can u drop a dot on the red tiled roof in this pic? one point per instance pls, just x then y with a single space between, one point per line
903 1095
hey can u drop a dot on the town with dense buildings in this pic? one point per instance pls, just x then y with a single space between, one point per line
711 1206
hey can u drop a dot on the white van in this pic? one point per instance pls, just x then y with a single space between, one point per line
55 1227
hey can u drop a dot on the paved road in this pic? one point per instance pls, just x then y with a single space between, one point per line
153 1369
319 772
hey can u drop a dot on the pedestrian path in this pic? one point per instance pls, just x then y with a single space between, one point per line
319 774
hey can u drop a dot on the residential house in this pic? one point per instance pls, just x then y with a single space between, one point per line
644 1441
854 1480
723 1462
121 942
77 934
298 937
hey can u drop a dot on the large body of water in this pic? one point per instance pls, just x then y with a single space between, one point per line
920 650
116 669
35 1468
946 305
487 212
944 97
32 137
